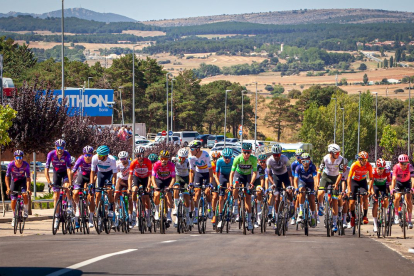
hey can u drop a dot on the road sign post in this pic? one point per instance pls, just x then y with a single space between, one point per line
170 133
163 133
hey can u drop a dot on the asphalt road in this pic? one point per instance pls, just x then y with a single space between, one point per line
198 254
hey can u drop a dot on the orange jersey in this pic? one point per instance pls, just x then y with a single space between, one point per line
139 170
213 166
358 172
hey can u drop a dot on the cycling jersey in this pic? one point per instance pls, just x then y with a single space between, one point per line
201 164
244 167
59 164
294 165
123 170
104 166
182 169
17 173
141 170
358 172
381 180
82 166
331 168
303 175
278 167
224 168
403 176
261 172
163 172
213 166
345 174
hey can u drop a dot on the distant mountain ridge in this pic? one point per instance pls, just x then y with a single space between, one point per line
78 13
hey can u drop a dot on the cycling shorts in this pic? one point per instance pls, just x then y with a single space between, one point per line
281 178
81 180
199 179
362 184
59 178
104 177
19 185
224 180
182 181
402 186
307 185
327 181
382 188
162 183
243 179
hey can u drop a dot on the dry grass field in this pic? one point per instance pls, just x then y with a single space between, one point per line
144 33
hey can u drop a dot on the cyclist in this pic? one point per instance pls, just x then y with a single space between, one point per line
103 168
122 166
346 219
18 174
200 171
305 176
329 176
402 178
153 157
182 167
223 169
382 180
279 171
140 175
163 177
259 184
215 155
293 166
357 178
244 172
82 168
61 163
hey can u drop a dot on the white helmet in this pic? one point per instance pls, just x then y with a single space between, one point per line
334 148
139 150
123 154
183 152
276 149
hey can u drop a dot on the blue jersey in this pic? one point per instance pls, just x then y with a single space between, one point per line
305 176
294 165
222 167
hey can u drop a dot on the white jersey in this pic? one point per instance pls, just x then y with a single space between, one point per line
345 174
202 164
182 169
278 167
331 168
123 171
104 166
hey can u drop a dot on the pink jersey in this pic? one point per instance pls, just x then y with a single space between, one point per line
163 172
403 176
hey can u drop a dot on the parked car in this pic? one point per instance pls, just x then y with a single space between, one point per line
142 142
232 140
39 166
228 145
203 138
186 136
160 139
213 139
259 144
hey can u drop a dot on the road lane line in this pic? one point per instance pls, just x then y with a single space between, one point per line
88 262
195 235
169 241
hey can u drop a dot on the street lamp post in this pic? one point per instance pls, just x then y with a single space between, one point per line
225 117
133 99
343 130
255 122
63 52
335 121
359 118
172 93
88 80
409 115
376 124
166 84
122 108
242 116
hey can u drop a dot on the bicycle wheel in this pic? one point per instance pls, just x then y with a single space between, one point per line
99 217
306 217
327 218
279 217
243 216
359 219
200 215
384 222
16 217
179 218
161 214
253 216
263 217
22 220
404 219
379 222
140 210
390 217
58 203
86 217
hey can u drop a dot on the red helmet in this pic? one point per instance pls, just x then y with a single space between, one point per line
403 158
381 163
363 155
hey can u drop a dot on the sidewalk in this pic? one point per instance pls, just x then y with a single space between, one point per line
37 214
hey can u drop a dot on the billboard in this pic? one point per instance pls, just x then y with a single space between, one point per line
93 102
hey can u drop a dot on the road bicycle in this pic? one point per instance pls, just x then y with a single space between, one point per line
305 222
403 212
163 223
123 212
283 213
381 215
84 210
358 213
390 215
19 219
103 222
263 216
202 210
142 219
182 224
60 213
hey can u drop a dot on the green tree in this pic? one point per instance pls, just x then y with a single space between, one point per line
278 89
294 94
7 114
391 61
278 114
362 67
385 63
388 141
365 79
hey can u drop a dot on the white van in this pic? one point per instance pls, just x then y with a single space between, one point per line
186 136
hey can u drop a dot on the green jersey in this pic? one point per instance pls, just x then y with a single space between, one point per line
244 167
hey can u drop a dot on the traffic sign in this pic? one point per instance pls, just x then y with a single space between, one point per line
240 127
164 133
240 132
170 133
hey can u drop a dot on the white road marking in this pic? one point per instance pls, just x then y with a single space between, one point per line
88 262
195 235
169 241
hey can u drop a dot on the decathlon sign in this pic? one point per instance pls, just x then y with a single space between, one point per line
89 102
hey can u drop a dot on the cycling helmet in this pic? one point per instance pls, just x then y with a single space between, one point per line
276 149
215 154
298 152
102 150
165 154
195 144
153 157
305 155
123 154
381 163
363 155
139 150
402 158
88 149
60 143
334 148
72 160
18 153
247 146
183 152
262 157
227 152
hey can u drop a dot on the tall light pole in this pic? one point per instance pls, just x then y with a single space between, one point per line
409 114
122 108
359 118
172 93
335 121
255 122
166 84
133 99
88 80
343 130
376 124
225 116
63 52
242 115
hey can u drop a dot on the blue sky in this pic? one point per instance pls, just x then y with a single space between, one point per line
163 9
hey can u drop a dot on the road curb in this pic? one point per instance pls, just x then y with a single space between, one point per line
5 220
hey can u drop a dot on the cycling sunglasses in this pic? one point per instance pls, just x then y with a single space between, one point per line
139 155
123 159
305 161
101 155
403 163
87 155
18 157
60 148
164 158
247 152
226 157
262 162
277 154
363 159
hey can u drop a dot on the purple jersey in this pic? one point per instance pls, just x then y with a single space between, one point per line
82 166
18 173
59 165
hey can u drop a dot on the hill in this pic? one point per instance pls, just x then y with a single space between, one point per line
78 13
360 16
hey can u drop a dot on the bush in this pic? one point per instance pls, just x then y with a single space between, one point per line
40 187
362 67
269 88
294 94
398 90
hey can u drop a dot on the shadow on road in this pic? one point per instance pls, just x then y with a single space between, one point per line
34 271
